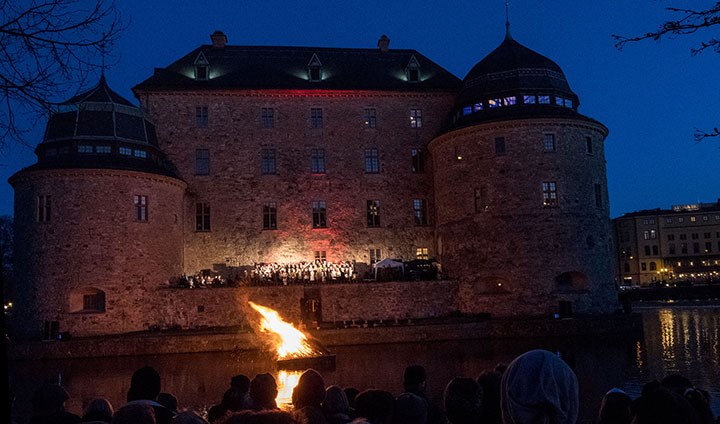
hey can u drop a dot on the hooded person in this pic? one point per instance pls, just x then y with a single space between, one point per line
48 403
144 389
540 388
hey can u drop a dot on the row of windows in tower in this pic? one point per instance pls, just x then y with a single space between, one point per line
513 100
369 117
269 161
549 144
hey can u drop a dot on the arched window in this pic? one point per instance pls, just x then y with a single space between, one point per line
87 300
653 266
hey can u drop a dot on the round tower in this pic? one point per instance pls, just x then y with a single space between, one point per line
97 221
522 217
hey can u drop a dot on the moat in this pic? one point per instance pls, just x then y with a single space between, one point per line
677 337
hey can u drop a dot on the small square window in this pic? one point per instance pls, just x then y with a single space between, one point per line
126 151
83 148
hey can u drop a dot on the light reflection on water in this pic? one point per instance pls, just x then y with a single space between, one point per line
683 339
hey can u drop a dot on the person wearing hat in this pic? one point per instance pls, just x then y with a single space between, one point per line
48 403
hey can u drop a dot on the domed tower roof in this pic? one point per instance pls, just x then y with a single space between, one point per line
513 82
101 129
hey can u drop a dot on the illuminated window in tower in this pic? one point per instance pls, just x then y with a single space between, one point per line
375 255
418 160
370 118
544 100
319 214
267 117
201 116
202 162
509 101
372 162
268 162
202 217
549 142
317 164
415 118
373 213
549 191
43 208
270 216
83 148
420 211
493 103
422 253
141 207
529 100
316 117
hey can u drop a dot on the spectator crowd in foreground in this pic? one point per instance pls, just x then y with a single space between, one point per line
537 387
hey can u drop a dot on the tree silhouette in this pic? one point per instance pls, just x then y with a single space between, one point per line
47 50
689 21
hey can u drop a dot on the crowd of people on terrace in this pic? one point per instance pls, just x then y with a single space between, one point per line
319 271
537 387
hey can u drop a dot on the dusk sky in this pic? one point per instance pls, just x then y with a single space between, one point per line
652 95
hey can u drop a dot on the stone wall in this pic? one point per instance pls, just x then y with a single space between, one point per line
236 189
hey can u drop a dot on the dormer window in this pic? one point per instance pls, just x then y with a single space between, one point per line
202 67
314 69
412 70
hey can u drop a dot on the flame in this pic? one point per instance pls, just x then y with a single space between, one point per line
286 382
291 342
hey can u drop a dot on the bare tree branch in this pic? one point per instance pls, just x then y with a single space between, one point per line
701 135
48 48
689 22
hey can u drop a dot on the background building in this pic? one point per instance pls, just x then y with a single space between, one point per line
678 245
301 154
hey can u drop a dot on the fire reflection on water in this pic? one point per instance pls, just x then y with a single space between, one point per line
286 382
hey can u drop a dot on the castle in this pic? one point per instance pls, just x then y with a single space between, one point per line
244 154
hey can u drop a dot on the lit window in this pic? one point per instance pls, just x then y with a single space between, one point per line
559 101
103 149
202 217
478 107
370 118
418 160
422 253
372 162
126 151
268 163
373 213
319 214
201 116
643 266
653 266
544 100
668 220
43 208
415 118
568 103
467 110
420 211
141 207
549 190
316 117
509 101
493 103
653 234
320 255
412 70
529 100
375 255
83 148
681 219
270 216
202 162
549 142
693 219
588 145
646 235
267 117
705 218
317 165
201 67
140 153
499 146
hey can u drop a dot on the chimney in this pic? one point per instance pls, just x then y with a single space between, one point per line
383 43
218 40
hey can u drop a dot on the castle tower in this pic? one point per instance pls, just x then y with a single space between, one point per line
522 215
96 221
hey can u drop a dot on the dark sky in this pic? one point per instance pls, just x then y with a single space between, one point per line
651 95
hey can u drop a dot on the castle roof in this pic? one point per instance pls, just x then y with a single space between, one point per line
301 68
101 129
514 82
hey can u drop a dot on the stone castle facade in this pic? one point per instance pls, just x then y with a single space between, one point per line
243 155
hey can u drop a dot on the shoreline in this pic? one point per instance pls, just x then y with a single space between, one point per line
238 339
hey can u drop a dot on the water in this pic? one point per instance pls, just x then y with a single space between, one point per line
682 338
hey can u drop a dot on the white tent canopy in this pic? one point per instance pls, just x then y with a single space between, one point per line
388 263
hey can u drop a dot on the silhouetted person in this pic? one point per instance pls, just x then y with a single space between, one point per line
375 406
489 382
351 393
307 398
97 411
134 413
169 401
463 401
48 403
263 391
410 409
144 389
415 381
660 405
336 406
615 408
